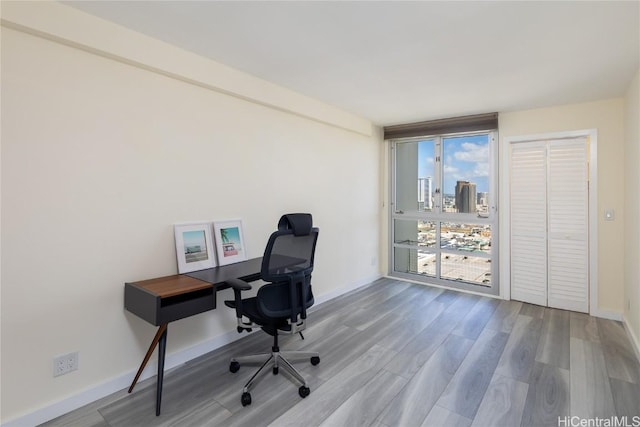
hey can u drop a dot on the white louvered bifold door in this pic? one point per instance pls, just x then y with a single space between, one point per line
529 222
568 225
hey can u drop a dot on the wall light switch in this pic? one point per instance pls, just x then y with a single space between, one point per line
609 214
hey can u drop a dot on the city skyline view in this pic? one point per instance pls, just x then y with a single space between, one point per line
447 246
464 158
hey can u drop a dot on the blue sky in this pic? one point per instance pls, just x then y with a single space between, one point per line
464 158
194 238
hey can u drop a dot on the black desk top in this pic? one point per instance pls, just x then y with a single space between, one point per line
165 299
248 271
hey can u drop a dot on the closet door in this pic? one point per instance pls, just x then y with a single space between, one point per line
529 222
568 225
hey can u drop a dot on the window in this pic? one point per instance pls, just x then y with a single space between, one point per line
443 213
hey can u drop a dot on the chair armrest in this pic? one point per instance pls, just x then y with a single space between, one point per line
238 285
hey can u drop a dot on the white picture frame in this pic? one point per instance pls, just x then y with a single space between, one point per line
230 245
194 246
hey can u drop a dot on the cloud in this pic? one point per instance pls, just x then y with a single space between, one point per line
448 169
453 173
472 152
481 169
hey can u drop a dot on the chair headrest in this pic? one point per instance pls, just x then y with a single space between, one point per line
300 223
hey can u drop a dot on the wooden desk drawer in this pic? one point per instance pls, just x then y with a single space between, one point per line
157 310
181 306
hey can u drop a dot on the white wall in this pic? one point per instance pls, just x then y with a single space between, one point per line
632 210
100 158
607 116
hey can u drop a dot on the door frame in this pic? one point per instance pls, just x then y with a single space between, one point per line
505 217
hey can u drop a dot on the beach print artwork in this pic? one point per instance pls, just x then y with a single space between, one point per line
231 245
195 246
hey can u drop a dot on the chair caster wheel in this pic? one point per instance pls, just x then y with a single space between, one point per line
275 370
315 360
304 391
246 399
234 367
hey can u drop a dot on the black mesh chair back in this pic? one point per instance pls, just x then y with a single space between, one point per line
280 306
287 263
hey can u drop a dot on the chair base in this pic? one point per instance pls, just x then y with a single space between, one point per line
275 360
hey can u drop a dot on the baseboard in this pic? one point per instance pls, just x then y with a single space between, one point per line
607 314
173 360
69 404
123 381
341 291
635 341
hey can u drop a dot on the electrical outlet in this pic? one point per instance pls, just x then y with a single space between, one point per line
65 364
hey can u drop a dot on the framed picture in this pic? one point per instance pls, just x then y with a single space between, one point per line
194 246
229 241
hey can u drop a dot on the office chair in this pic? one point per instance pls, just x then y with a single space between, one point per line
280 306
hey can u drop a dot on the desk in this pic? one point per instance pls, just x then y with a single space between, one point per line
165 299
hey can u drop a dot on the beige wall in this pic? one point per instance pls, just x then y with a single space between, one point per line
632 210
100 158
607 117
108 138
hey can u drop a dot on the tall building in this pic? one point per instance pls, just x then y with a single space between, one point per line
425 200
483 198
466 196
428 196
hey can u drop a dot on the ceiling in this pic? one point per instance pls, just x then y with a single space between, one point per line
397 62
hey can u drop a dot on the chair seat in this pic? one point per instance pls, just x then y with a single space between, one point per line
281 303
250 310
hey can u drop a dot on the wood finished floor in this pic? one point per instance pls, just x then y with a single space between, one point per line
400 354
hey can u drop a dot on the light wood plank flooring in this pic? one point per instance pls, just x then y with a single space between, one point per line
400 354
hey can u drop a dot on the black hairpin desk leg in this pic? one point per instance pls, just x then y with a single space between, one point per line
161 339
161 349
